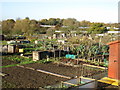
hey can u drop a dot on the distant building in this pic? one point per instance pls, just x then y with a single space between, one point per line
47 25
84 27
112 28
113 32
99 34
58 31
83 31
108 27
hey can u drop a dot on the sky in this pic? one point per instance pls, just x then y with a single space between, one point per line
91 10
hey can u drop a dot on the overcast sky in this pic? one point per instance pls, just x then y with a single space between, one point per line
91 10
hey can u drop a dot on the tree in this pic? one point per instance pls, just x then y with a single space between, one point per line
7 26
34 26
52 21
18 27
22 26
26 26
85 23
69 22
44 22
112 29
27 18
59 21
97 28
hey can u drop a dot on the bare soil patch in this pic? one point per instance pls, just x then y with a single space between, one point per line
26 78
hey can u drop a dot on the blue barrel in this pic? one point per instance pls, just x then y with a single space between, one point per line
67 55
70 56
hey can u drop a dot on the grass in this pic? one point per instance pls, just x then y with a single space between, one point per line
22 60
17 64
28 62
17 58
3 43
47 61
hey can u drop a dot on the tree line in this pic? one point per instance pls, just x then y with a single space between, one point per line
29 27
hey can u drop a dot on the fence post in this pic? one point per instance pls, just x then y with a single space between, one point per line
95 84
61 84
82 70
80 79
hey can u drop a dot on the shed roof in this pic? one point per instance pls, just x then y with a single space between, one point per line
113 42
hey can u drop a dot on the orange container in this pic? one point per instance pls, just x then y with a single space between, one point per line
114 60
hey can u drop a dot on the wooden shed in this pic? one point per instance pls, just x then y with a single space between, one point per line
114 60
